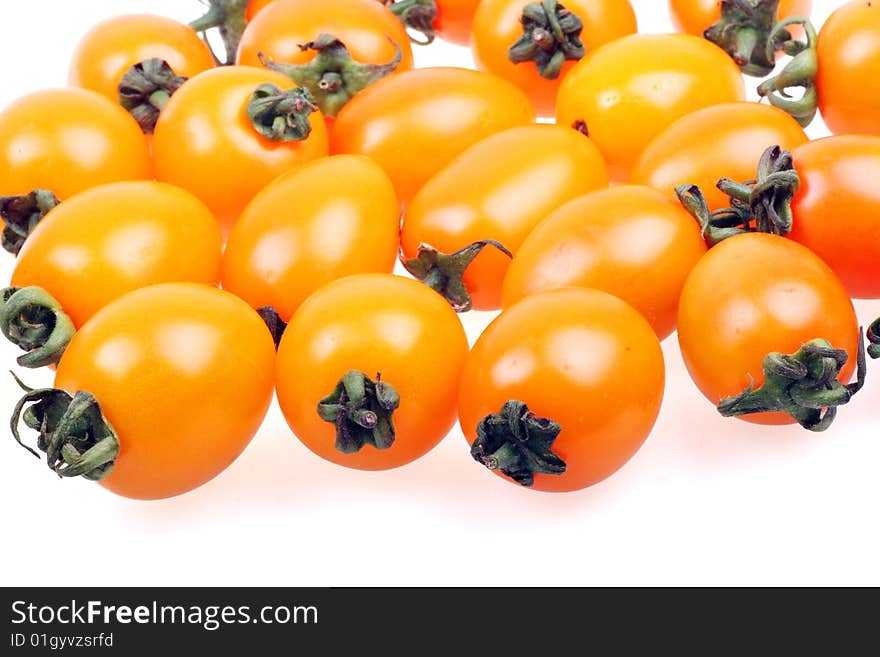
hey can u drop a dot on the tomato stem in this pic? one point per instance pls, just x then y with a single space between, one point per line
801 71
518 444
34 321
273 321
333 77
874 339
21 214
281 115
551 36
146 88
227 16
746 32
417 16
362 411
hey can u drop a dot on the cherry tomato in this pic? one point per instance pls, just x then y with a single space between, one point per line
205 142
66 141
626 93
578 358
849 69
346 221
415 123
254 7
116 238
755 294
498 26
455 18
632 242
695 16
721 141
837 208
391 330
535 170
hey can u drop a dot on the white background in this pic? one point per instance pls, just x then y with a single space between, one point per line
706 501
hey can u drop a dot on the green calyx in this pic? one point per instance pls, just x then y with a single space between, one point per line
800 71
417 16
31 319
444 273
804 385
551 36
745 31
21 214
333 77
229 18
874 340
280 115
274 323
518 444
145 90
72 432
362 411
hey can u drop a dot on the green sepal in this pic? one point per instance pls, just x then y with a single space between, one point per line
146 88
551 36
34 321
417 16
229 18
281 115
801 72
21 214
362 410
745 31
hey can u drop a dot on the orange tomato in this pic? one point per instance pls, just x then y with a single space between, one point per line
497 26
455 18
415 123
374 324
535 170
579 358
276 258
629 91
184 375
632 242
66 141
722 141
754 294
205 143
254 7
694 16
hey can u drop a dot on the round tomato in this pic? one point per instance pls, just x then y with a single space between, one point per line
753 295
712 143
696 16
169 384
535 170
632 242
206 143
526 49
455 18
254 7
562 389
415 123
276 257
626 93
368 371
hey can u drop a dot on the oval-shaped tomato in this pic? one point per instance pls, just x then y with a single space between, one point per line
66 141
715 142
205 142
629 91
752 295
498 26
590 372
632 242
405 349
332 218
415 123
535 170
695 16
849 69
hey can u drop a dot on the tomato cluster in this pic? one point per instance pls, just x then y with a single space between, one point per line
197 231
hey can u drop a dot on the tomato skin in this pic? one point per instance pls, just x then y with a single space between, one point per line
415 123
67 141
627 94
455 18
116 238
205 143
497 27
535 170
837 208
632 242
183 373
695 16
580 357
275 257
754 294
373 323
712 143
114 45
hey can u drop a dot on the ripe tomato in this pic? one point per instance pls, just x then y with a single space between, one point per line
498 25
372 325
415 123
837 208
721 141
455 18
632 242
116 238
254 7
66 141
276 257
205 142
849 73
581 359
626 93
754 294
535 170
695 16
